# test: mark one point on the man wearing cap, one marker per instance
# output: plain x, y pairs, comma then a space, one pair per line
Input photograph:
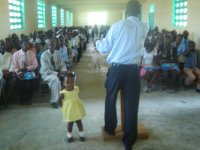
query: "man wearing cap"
124, 42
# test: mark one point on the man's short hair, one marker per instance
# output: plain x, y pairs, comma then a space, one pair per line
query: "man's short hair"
25, 39
133, 8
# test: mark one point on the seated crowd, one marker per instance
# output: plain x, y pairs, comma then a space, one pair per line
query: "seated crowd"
171, 57
42, 55
46, 56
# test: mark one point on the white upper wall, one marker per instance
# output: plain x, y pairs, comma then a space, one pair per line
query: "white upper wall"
81, 17
30, 18
163, 17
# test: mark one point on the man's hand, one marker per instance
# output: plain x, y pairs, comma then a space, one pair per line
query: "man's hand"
5, 73
63, 73
22, 70
20, 75
95, 42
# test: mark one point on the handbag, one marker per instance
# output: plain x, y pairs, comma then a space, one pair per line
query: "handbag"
29, 75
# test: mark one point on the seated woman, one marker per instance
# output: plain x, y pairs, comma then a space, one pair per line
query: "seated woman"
150, 69
191, 66
168, 61
25, 65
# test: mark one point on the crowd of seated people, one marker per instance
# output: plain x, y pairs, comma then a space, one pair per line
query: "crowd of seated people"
170, 56
27, 59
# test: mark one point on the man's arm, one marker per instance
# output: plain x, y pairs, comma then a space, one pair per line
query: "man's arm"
34, 64
1, 73
105, 45
45, 68
62, 63
14, 65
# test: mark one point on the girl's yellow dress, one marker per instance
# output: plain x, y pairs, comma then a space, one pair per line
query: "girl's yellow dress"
72, 106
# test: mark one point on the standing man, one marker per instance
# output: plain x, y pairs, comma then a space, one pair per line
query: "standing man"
52, 67
124, 41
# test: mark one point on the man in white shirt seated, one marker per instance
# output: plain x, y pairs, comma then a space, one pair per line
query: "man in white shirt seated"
52, 68
5, 67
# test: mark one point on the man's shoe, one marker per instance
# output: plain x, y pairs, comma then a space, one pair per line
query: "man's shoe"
55, 105
29, 102
197, 90
82, 139
70, 140
112, 133
128, 147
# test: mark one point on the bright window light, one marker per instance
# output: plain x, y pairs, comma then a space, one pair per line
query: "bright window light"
16, 13
41, 13
98, 18
54, 16
62, 15
179, 16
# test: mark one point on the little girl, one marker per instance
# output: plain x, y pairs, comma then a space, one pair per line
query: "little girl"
72, 107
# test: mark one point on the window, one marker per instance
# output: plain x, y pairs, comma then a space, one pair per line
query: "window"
151, 15
54, 16
180, 9
16, 13
62, 17
71, 19
41, 13
67, 18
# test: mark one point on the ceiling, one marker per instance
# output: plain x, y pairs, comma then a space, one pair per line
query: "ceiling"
88, 5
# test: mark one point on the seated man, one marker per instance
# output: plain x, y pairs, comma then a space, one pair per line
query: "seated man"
176, 45
5, 66
52, 67
183, 46
168, 61
63, 50
190, 66
25, 65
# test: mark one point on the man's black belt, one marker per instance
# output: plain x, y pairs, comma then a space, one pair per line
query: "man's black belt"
118, 65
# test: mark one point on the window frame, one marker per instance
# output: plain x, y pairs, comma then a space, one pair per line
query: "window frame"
179, 13
62, 17
152, 15
41, 16
67, 18
16, 14
71, 18
54, 16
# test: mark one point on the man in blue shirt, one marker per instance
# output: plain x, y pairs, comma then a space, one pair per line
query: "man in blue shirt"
63, 50
124, 42
183, 46
191, 68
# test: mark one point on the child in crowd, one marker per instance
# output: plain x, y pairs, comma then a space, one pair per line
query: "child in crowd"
72, 107
191, 67
168, 61
149, 69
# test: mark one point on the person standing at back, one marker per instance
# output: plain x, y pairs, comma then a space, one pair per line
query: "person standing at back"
124, 43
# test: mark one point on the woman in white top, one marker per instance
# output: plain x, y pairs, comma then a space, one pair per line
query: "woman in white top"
149, 70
